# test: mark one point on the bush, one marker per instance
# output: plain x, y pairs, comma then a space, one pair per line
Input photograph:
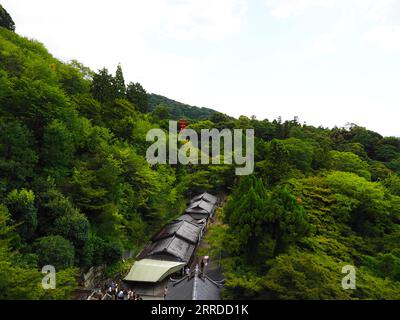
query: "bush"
21, 204
93, 252
74, 227
56, 251
112, 252
349, 162
98, 251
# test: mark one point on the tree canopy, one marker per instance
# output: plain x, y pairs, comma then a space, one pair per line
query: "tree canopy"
76, 190
5, 19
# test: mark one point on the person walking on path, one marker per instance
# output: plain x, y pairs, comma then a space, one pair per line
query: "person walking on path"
202, 265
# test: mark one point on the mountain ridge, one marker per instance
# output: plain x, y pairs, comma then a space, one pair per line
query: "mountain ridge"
177, 109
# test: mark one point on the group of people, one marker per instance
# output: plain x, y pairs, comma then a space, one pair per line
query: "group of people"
116, 292
204, 262
113, 291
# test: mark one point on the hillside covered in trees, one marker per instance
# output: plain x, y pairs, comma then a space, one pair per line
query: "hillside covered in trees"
176, 110
76, 190
320, 200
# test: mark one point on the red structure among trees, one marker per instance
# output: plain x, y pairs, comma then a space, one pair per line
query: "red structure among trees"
182, 124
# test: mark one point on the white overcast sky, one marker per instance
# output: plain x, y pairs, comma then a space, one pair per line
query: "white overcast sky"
328, 62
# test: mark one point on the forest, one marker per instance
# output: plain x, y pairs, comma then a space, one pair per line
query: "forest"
76, 190
176, 110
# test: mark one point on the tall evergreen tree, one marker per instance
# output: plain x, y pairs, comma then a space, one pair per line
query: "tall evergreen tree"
136, 94
276, 165
260, 219
5, 19
119, 83
103, 89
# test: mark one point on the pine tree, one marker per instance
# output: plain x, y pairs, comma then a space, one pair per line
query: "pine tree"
260, 219
136, 94
119, 83
102, 88
285, 219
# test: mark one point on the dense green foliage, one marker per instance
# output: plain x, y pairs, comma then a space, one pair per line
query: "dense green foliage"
75, 186
76, 189
320, 200
56, 251
177, 110
5, 19
137, 95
